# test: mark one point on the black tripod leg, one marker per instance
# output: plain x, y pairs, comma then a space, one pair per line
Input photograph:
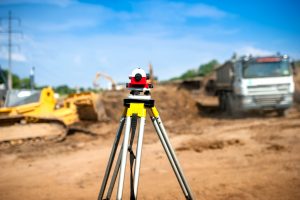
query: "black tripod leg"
114, 176
171, 156
169, 146
161, 138
111, 158
117, 167
132, 156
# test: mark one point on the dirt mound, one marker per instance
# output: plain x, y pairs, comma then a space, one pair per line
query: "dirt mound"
173, 103
170, 102
19, 133
198, 145
275, 147
113, 103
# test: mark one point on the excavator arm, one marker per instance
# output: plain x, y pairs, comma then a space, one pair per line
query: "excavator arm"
105, 76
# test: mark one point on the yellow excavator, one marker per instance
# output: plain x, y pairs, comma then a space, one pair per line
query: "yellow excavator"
105, 76
35, 114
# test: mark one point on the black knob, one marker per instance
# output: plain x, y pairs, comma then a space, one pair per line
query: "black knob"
138, 77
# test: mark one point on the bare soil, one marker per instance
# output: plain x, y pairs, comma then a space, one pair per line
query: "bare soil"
255, 157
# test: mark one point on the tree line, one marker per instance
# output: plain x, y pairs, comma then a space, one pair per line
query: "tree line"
203, 70
24, 83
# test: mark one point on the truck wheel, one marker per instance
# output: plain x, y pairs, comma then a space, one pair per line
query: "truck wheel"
232, 107
222, 102
228, 104
280, 113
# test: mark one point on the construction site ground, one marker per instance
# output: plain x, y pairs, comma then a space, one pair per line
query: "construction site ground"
252, 157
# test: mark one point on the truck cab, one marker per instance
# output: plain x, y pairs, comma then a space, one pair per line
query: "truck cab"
256, 83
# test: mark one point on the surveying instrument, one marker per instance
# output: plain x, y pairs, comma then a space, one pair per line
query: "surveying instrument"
135, 107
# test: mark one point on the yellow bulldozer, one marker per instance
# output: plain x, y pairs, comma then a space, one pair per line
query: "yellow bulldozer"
36, 114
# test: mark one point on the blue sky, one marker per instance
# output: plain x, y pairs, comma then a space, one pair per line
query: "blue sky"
69, 41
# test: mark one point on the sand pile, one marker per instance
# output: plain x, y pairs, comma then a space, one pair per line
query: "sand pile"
171, 103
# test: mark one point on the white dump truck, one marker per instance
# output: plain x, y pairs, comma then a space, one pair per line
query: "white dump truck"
255, 83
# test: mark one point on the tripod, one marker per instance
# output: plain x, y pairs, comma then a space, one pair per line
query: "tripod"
136, 108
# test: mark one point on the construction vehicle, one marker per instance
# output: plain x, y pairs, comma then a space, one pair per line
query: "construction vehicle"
88, 105
26, 109
98, 75
255, 83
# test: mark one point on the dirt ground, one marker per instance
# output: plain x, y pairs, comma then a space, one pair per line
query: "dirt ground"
255, 157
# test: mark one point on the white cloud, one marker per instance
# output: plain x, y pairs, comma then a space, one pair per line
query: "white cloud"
67, 25
176, 12
117, 55
102, 60
61, 3
77, 59
79, 17
180, 10
74, 60
203, 10
17, 57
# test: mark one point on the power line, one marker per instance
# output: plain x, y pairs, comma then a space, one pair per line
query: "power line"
10, 44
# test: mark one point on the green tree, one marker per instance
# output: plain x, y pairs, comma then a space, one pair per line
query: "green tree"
18, 83
207, 68
64, 89
189, 74
3, 76
25, 83
203, 70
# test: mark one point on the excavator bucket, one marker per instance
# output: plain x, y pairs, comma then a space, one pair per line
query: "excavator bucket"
89, 106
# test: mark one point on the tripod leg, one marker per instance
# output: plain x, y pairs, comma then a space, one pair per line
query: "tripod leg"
111, 158
138, 156
164, 135
117, 167
114, 176
124, 157
162, 140
134, 120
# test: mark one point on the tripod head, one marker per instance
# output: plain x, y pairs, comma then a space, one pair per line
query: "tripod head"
139, 82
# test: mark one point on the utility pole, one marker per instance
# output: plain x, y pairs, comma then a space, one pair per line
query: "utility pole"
9, 45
